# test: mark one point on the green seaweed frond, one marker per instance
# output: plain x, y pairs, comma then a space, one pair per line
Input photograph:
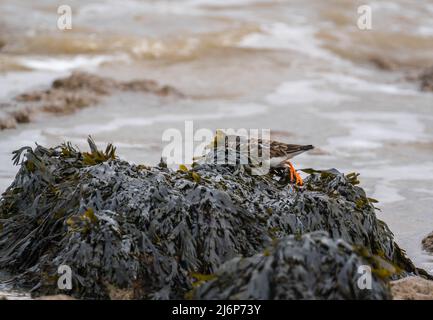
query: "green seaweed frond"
201, 278
380, 265
353, 178
183, 168
96, 156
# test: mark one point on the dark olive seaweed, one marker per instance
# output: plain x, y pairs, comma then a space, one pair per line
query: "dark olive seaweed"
312, 266
158, 232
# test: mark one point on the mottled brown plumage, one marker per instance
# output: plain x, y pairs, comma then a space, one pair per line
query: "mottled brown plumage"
279, 149
279, 153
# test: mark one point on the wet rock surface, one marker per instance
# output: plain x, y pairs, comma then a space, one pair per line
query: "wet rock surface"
427, 243
142, 232
67, 95
412, 288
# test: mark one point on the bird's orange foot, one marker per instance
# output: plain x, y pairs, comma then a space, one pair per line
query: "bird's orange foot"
294, 175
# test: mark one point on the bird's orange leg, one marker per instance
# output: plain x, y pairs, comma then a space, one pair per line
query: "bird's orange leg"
294, 174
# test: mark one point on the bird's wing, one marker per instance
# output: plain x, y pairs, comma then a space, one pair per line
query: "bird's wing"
279, 149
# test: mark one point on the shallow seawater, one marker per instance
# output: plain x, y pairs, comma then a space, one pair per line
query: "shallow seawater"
300, 68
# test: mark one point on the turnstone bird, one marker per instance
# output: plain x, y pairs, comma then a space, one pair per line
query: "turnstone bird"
279, 153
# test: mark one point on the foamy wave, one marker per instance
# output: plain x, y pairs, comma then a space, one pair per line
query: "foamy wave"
14, 83
188, 45
228, 3
111, 8
68, 63
299, 38
356, 84
385, 189
221, 112
92, 51
330, 88
369, 130
304, 92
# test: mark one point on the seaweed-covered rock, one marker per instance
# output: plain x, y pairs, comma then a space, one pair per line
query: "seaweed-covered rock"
295, 268
155, 231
